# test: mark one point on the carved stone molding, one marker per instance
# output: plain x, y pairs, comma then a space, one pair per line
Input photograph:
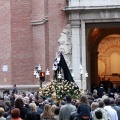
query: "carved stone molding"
39, 22
108, 43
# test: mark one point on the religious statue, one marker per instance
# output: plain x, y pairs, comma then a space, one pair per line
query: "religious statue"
66, 45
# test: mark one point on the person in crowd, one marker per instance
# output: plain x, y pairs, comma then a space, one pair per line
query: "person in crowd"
15, 113
20, 105
47, 113
84, 110
117, 101
41, 101
113, 90
95, 96
91, 98
105, 114
100, 90
85, 91
116, 95
112, 113
94, 106
66, 109
2, 114
90, 101
56, 112
61, 103
104, 96
9, 117
15, 91
74, 113
50, 100
12, 99
89, 94
53, 107
39, 111
32, 114
2, 104
6, 97
95, 91
7, 105
26, 101
115, 107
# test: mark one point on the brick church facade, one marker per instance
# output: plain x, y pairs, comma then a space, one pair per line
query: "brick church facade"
30, 34
29, 31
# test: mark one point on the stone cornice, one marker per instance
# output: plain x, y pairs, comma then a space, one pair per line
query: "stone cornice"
83, 8
39, 22
19, 87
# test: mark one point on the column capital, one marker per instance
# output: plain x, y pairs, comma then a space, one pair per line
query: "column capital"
75, 23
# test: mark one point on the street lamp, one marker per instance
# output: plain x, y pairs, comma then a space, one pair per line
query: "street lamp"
39, 74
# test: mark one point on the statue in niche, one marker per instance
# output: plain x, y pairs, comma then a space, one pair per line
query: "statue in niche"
66, 44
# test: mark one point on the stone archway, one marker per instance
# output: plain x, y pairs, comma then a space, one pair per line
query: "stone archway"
84, 17
109, 54
104, 43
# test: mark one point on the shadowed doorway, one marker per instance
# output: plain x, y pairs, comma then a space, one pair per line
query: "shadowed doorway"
103, 53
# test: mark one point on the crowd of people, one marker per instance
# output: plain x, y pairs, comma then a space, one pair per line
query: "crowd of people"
99, 105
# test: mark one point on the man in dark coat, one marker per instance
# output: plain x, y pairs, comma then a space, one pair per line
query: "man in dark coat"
100, 91
113, 90
41, 102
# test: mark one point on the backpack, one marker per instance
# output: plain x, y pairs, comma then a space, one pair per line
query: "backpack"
85, 113
98, 114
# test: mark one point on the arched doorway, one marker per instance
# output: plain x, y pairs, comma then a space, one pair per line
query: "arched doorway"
104, 54
109, 59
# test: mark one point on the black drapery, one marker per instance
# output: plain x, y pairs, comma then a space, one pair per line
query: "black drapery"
62, 64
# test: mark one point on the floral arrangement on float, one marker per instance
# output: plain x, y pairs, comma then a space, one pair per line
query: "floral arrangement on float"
61, 89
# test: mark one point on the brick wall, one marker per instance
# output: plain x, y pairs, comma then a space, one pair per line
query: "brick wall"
45, 36
21, 42
24, 45
5, 42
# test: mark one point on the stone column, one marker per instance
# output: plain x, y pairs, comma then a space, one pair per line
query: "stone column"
83, 53
76, 53
78, 50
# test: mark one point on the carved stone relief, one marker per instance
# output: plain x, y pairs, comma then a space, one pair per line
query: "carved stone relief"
66, 45
108, 46
108, 43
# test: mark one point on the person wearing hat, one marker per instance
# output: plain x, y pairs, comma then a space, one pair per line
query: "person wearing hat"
100, 90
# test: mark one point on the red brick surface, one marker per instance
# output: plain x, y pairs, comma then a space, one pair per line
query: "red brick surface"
23, 45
